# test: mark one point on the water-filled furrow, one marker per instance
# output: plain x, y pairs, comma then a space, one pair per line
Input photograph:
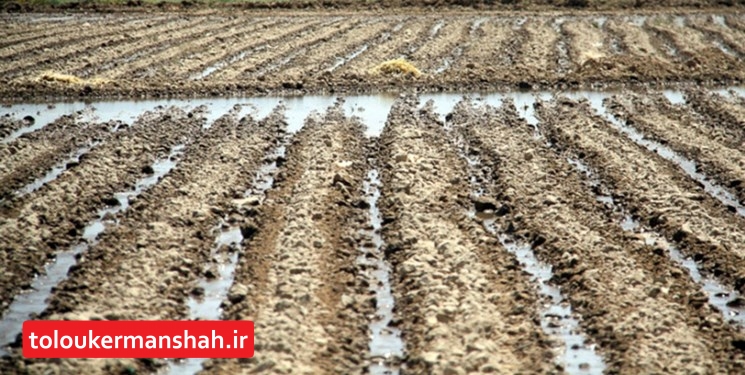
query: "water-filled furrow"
27, 305
226, 62
219, 275
56, 171
687, 165
722, 297
349, 57
449, 60
576, 355
386, 345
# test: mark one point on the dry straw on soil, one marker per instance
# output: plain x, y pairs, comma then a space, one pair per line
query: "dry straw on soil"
396, 67
50, 76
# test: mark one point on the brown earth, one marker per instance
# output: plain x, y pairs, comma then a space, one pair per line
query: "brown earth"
696, 140
298, 279
31, 155
634, 303
216, 54
659, 193
148, 264
463, 307
462, 302
34, 227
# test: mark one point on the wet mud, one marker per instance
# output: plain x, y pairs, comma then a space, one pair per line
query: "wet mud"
661, 195
297, 277
462, 303
216, 54
36, 226
544, 203
169, 228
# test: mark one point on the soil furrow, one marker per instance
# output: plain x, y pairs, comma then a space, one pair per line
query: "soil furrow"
297, 278
594, 59
697, 53
176, 62
240, 50
722, 115
147, 266
165, 37
735, 22
284, 62
430, 33
586, 43
21, 64
29, 34
216, 52
154, 64
138, 44
654, 189
612, 39
34, 153
270, 42
389, 49
8, 125
52, 219
72, 35
492, 47
537, 59
731, 41
463, 304
646, 61
325, 55
430, 56
611, 279
676, 128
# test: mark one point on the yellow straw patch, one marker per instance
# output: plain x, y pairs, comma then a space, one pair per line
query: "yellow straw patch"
50, 76
397, 66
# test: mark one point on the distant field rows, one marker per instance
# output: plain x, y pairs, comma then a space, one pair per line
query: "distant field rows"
217, 54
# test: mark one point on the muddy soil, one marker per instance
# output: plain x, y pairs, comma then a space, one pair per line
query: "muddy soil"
219, 54
464, 300
297, 277
355, 6
463, 306
673, 126
660, 194
30, 156
169, 229
8, 125
721, 114
610, 278
34, 227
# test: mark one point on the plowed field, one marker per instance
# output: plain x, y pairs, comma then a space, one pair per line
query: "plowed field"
214, 54
488, 230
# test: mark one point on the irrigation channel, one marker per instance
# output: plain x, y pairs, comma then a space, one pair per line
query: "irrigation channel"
334, 175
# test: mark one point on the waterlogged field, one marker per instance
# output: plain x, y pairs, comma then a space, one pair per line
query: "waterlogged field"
534, 231
141, 54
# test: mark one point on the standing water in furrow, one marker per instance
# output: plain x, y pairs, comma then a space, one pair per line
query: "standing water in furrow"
614, 158
205, 300
597, 266
297, 277
29, 305
576, 354
168, 230
457, 300
386, 346
35, 229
